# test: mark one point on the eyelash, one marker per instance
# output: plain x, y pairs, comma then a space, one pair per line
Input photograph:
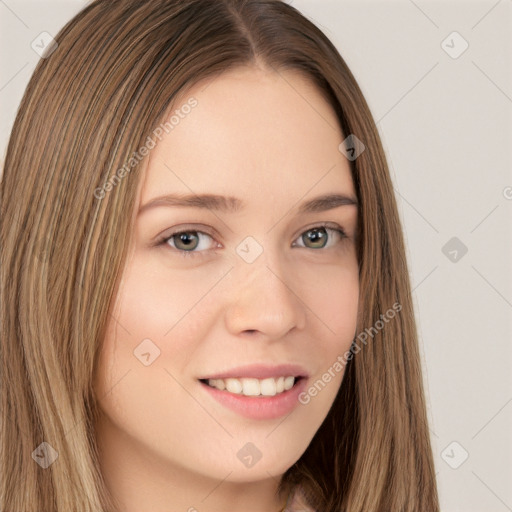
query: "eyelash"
163, 241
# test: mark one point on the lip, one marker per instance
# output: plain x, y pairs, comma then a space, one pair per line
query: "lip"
259, 407
260, 371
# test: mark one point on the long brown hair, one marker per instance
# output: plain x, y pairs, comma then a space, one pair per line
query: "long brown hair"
89, 106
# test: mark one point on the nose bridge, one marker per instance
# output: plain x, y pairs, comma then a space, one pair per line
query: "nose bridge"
262, 297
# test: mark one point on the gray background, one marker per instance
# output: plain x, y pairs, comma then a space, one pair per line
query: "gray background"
446, 126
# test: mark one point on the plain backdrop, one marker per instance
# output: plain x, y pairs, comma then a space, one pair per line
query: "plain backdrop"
438, 79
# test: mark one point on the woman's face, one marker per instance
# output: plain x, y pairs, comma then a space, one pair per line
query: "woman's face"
248, 290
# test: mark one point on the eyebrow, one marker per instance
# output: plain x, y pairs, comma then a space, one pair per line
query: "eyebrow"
232, 204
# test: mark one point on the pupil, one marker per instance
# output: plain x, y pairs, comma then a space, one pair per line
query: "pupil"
185, 239
317, 235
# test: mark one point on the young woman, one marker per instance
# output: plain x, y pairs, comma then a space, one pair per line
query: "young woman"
205, 296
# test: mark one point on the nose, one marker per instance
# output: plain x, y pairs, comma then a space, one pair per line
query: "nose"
263, 301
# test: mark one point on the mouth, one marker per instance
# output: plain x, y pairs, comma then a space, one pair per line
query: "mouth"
252, 387
258, 391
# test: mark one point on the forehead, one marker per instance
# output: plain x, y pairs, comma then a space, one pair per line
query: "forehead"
250, 132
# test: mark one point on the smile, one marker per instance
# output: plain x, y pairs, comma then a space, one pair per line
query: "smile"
257, 399
253, 387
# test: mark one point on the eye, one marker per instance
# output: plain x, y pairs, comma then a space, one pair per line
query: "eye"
188, 242
318, 237
191, 242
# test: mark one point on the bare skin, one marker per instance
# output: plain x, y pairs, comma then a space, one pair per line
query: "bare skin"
270, 140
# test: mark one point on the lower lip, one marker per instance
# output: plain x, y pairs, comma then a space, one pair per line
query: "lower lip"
259, 407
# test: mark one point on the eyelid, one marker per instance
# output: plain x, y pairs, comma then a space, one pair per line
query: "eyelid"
197, 228
327, 225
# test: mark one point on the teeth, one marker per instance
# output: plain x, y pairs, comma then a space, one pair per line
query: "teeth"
234, 386
288, 383
250, 387
254, 387
268, 387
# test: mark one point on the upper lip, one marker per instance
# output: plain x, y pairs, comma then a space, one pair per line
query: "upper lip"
260, 371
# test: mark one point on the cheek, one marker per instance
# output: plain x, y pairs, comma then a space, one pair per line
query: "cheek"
331, 294
154, 301
159, 301
333, 304
171, 309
